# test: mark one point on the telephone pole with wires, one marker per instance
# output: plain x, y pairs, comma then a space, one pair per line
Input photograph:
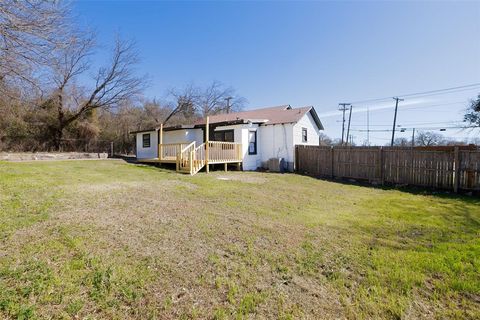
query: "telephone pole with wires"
395, 118
349, 120
343, 108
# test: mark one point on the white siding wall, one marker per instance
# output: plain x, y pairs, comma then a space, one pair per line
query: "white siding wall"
313, 132
240, 133
184, 135
276, 141
145, 153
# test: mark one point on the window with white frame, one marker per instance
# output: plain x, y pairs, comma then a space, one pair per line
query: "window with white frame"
304, 135
146, 140
252, 142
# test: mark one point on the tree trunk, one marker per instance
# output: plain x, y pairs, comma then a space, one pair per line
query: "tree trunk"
57, 137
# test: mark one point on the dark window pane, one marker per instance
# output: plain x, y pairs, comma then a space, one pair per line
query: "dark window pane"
217, 136
252, 142
304, 135
229, 136
224, 135
146, 140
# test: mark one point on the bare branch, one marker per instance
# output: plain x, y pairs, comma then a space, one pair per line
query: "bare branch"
29, 32
115, 83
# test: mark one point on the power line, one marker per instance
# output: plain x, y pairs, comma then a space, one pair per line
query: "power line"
424, 93
434, 105
421, 128
419, 108
407, 123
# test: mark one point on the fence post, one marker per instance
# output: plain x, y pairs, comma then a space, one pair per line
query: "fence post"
207, 144
296, 159
382, 171
333, 161
456, 172
412, 167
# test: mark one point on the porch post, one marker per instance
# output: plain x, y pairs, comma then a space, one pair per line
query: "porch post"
207, 147
160, 147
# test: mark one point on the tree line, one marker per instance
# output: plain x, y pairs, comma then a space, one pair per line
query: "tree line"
52, 97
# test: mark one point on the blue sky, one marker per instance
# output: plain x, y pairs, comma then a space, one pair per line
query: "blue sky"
308, 53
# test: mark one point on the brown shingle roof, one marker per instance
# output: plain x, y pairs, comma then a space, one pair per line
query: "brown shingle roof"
272, 115
266, 116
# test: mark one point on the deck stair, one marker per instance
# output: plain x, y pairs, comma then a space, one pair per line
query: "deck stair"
190, 158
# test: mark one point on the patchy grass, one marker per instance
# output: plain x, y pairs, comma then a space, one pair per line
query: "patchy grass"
105, 239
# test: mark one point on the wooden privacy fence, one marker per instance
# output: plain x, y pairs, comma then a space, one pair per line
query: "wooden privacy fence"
450, 168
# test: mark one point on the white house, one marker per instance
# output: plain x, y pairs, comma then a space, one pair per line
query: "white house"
261, 138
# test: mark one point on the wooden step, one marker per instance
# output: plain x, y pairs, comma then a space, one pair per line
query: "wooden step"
184, 167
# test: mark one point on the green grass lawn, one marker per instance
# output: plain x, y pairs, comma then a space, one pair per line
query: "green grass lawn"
110, 240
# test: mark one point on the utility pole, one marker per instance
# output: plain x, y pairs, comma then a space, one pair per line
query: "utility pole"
343, 108
228, 103
349, 120
368, 126
413, 137
395, 118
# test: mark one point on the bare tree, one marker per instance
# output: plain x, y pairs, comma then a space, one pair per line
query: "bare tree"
192, 102
428, 138
324, 140
402, 142
29, 32
112, 84
216, 98
185, 103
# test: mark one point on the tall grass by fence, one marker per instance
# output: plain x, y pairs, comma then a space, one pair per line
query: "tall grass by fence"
449, 168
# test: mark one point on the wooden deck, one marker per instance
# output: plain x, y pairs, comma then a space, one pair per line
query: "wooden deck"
190, 158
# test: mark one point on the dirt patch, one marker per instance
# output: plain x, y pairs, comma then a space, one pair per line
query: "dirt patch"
133, 186
246, 177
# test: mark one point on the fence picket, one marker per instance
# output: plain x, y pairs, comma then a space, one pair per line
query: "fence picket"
449, 168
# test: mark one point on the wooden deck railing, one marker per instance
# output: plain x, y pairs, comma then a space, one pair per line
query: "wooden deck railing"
200, 152
184, 157
191, 158
221, 152
169, 151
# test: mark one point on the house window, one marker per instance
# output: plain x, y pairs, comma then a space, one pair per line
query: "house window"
146, 140
304, 135
252, 142
224, 135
